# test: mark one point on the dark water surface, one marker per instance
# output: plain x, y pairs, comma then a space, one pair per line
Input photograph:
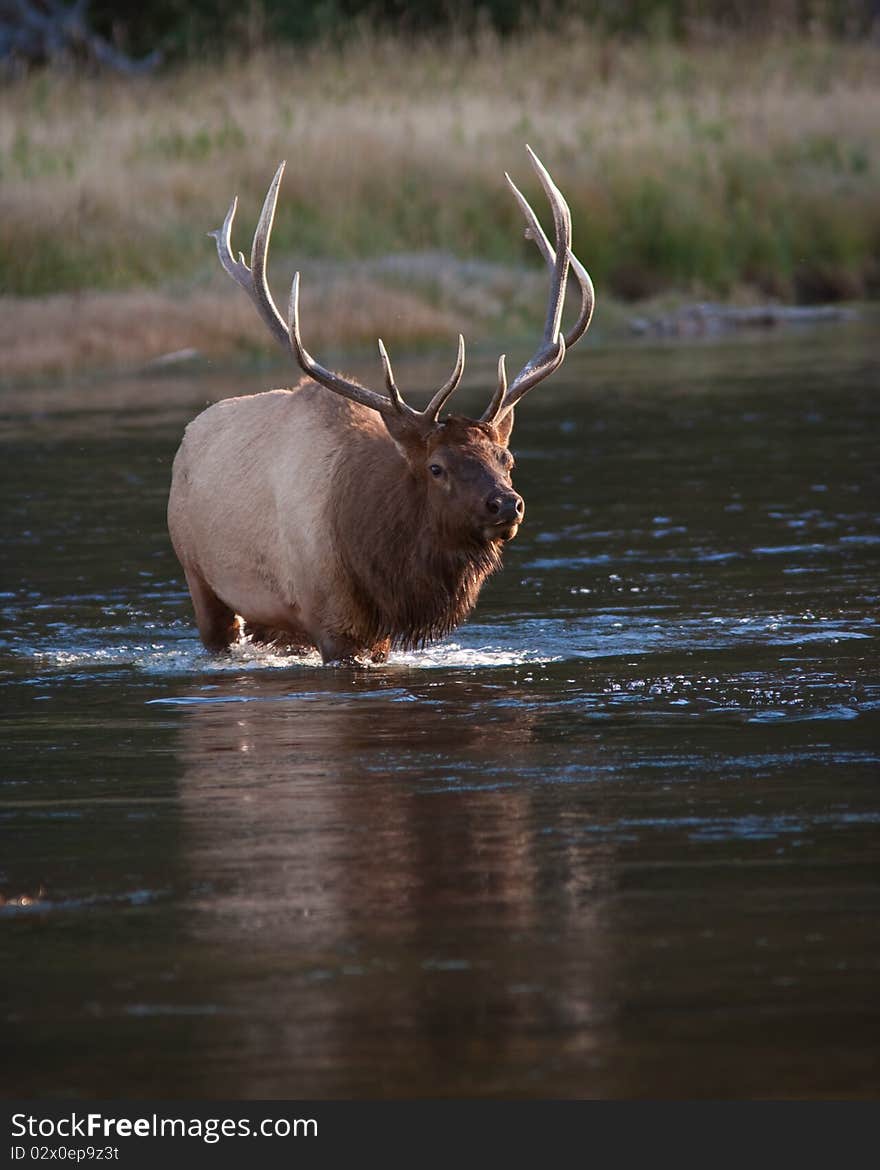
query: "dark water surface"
616, 837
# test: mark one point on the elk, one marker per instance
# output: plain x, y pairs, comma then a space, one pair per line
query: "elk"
349, 521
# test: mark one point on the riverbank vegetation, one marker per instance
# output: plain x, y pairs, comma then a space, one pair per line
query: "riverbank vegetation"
729, 166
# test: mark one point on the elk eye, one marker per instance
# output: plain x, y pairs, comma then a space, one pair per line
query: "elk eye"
435, 469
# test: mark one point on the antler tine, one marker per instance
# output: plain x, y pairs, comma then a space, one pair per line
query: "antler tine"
551, 352
562, 224
431, 413
253, 279
393, 392
334, 382
535, 232
588, 301
259, 251
498, 396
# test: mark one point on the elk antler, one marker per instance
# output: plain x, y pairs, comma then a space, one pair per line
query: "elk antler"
253, 280
394, 404
550, 353
547, 358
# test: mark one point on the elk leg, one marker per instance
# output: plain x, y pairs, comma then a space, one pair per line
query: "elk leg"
291, 641
340, 650
214, 618
337, 650
379, 653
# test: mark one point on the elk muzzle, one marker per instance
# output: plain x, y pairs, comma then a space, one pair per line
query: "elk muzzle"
504, 513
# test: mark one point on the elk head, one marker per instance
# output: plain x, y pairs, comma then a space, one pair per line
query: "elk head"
468, 488
464, 464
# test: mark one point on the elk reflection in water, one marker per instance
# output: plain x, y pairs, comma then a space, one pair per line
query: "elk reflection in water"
379, 871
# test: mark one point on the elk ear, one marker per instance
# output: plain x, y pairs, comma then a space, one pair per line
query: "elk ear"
408, 439
503, 428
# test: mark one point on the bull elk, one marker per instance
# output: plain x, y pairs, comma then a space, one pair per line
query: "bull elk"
350, 521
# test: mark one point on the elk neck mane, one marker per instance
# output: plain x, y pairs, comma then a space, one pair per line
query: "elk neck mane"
413, 578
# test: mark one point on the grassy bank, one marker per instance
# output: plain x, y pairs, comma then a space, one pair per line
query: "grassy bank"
729, 168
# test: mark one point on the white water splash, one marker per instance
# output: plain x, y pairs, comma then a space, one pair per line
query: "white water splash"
453, 654
591, 636
185, 656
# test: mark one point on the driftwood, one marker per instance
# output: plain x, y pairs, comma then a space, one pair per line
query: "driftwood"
707, 318
46, 32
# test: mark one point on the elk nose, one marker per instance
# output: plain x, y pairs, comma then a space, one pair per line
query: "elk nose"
505, 507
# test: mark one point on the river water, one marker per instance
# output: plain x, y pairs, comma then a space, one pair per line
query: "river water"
616, 837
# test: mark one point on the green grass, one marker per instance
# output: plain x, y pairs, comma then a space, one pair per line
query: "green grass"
728, 168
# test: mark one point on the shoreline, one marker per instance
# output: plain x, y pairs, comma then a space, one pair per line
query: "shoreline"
711, 169
71, 335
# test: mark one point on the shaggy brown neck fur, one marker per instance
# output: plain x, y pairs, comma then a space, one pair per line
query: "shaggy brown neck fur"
413, 580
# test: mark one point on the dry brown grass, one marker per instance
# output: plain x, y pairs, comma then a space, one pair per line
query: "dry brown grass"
101, 330
726, 165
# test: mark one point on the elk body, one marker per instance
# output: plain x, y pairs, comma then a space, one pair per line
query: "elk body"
337, 517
